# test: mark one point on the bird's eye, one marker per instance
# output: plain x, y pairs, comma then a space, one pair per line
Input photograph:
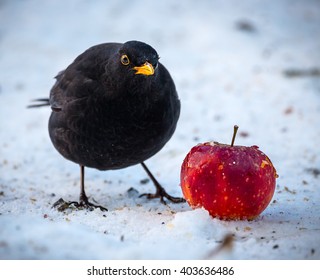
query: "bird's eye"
125, 59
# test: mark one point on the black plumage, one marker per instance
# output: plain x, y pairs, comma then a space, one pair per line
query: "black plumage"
115, 106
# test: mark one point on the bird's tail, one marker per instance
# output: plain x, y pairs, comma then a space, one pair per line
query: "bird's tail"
39, 102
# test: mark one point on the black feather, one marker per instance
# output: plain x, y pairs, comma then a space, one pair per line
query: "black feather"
40, 102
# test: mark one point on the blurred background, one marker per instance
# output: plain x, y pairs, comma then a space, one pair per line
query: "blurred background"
253, 63
213, 49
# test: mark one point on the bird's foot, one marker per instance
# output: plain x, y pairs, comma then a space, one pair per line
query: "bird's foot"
161, 193
87, 205
62, 205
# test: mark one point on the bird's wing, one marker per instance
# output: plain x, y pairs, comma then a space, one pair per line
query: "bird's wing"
71, 85
82, 78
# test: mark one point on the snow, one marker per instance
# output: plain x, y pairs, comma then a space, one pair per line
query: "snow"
229, 61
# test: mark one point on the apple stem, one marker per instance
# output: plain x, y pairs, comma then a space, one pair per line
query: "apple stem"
235, 130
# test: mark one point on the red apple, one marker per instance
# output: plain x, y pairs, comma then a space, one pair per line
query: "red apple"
230, 182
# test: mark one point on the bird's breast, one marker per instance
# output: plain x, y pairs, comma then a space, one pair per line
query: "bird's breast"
111, 135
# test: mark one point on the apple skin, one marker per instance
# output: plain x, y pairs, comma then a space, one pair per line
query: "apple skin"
230, 182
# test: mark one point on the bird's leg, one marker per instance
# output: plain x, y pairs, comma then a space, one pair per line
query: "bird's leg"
61, 205
160, 191
83, 200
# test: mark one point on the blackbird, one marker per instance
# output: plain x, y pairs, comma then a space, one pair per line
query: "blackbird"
115, 106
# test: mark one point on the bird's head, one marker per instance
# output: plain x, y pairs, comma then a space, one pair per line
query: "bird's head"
139, 58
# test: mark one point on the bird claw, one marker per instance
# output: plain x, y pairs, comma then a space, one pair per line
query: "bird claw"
62, 205
161, 193
87, 205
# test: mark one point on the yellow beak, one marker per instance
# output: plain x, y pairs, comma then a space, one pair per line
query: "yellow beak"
145, 69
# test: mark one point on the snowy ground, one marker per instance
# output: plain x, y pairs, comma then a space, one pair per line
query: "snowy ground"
251, 63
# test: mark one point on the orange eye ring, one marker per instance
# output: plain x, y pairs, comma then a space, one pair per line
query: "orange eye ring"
125, 59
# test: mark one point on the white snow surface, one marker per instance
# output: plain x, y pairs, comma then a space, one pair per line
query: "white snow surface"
229, 61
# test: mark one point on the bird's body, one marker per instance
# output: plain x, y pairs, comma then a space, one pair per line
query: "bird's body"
106, 120
113, 107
